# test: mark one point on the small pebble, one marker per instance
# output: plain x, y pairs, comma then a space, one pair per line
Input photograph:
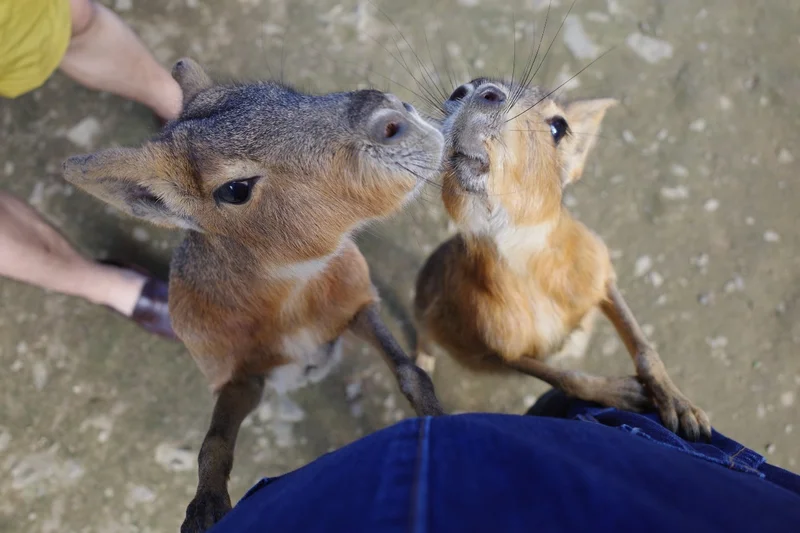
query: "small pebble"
353, 391
787, 399
700, 260
698, 125
289, 411
717, 343
734, 285
656, 279
770, 448
725, 103
679, 170
711, 205
627, 135
596, 16
39, 375
175, 459
785, 157
751, 82
84, 132
642, 266
577, 40
771, 236
649, 48
706, 298
610, 346
675, 193
264, 412
528, 401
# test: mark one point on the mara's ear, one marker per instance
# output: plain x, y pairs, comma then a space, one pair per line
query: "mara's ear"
129, 179
584, 118
191, 77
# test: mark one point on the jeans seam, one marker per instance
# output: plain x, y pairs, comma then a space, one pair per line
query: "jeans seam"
732, 458
420, 505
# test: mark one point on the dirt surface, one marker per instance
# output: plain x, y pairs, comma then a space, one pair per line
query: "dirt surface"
692, 186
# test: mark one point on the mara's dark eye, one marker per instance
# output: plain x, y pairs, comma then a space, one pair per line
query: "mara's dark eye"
558, 128
459, 94
235, 192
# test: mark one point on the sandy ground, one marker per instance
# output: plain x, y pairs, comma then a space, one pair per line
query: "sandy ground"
692, 186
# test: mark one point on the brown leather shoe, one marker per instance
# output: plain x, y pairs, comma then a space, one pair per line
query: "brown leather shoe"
152, 307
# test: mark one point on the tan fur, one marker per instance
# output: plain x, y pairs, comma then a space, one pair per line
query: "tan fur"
523, 277
517, 300
276, 279
507, 311
254, 335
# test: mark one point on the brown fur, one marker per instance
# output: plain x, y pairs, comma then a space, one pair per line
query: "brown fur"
277, 279
523, 276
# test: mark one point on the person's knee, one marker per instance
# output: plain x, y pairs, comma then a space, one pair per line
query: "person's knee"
82, 13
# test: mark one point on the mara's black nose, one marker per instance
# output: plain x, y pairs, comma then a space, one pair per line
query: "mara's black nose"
459, 93
491, 94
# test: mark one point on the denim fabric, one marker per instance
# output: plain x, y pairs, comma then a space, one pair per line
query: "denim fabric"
604, 470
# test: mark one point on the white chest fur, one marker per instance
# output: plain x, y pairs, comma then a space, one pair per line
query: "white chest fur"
312, 360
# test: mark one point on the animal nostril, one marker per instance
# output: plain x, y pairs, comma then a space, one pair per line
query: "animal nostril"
459, 94
391, 130
493, 95
389, 127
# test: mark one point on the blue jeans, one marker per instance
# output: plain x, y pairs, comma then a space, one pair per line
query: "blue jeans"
597, 470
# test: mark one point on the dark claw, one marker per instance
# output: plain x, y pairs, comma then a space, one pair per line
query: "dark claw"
204, 511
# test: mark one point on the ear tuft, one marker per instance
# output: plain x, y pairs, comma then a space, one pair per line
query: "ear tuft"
191, 77
584, 118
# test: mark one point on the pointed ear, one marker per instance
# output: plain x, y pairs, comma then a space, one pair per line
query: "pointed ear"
128, 179
584, 118
191, 77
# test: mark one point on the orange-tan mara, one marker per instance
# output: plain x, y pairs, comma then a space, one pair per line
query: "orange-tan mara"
522, 280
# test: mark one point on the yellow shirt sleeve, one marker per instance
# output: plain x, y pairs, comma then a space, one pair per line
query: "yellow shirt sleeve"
34, 35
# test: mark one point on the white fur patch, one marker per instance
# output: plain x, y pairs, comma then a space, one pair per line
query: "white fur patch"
548, 320
577, 342
305, 271
518, 244
313, 360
